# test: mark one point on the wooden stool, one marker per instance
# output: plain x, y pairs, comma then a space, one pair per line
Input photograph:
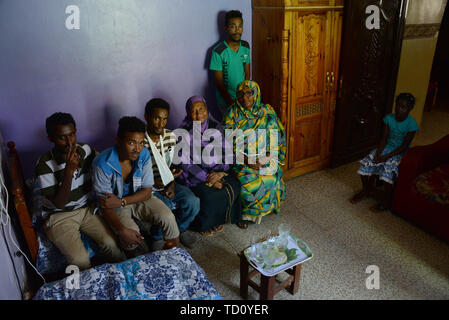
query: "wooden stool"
267, 288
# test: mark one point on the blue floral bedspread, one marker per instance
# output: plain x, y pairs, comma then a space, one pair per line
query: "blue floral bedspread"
162, 275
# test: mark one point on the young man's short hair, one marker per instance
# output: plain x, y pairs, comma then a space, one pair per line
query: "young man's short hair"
156, 103
232, 14
130, 124
408, 98
58, 118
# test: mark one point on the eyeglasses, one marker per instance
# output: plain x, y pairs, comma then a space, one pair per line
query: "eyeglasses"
248, 94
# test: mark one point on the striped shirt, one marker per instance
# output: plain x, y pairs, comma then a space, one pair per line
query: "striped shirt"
169, 141
49, 173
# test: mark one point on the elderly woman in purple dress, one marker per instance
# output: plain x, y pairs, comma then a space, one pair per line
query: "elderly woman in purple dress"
219, 192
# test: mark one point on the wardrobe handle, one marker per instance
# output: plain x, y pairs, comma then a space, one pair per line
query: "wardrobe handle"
340, 87
332, 81
327, 81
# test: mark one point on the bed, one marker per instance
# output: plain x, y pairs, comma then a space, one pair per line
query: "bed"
161, 275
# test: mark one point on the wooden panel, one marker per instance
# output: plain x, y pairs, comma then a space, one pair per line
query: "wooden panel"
267, 39
309, 55
268, 3
295, 3
308, 137
300, 170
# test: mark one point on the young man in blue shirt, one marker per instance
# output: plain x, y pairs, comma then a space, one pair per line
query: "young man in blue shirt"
123, 181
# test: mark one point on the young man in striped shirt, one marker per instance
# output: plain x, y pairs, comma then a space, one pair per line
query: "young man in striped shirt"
180, 199
64, 176
123, 181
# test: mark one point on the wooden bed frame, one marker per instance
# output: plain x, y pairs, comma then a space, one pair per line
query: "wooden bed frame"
21, 198
20, 195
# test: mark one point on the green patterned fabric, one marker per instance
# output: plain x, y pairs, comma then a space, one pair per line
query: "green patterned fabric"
261, 194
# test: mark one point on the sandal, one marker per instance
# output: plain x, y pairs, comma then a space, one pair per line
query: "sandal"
357, 197
242, 225
207, 233
218, 228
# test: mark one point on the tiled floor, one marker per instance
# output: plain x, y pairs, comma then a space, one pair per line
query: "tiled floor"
344, 238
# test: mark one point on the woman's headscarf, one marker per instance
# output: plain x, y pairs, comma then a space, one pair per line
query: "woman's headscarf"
193, 173
257, 110
187, 123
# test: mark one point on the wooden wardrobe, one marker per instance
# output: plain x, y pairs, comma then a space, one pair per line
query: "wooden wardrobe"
295, 60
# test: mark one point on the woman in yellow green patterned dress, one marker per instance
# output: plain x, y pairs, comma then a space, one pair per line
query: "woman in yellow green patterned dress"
262, 145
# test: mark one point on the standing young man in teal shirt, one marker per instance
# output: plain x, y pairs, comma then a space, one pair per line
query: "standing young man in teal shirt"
230, 61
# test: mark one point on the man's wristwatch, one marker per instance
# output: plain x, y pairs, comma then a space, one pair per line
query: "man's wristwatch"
123, 202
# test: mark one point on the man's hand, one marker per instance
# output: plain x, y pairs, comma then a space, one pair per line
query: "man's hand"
63, 194
130, 237
73, 159
158, 183
169, 191
176, 172
110, 201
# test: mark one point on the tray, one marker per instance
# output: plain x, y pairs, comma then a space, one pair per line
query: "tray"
303, 254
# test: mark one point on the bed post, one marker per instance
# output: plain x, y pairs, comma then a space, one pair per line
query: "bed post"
17, 185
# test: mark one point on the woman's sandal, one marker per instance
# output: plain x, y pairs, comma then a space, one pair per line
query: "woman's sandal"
242, 225
218, 228
207, 233
357, 197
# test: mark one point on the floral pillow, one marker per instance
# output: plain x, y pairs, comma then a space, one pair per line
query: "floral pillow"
434, 185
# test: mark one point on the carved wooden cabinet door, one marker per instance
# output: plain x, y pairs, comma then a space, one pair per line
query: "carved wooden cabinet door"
296, 50
369, 64
315, 51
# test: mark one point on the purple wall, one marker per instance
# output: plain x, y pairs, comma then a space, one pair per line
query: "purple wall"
125, 53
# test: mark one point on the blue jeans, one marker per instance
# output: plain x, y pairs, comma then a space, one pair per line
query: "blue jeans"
187, 208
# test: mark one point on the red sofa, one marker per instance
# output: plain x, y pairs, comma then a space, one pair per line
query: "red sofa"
422, 190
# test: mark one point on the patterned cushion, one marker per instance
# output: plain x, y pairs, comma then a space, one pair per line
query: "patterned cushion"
162, 275
434, 185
